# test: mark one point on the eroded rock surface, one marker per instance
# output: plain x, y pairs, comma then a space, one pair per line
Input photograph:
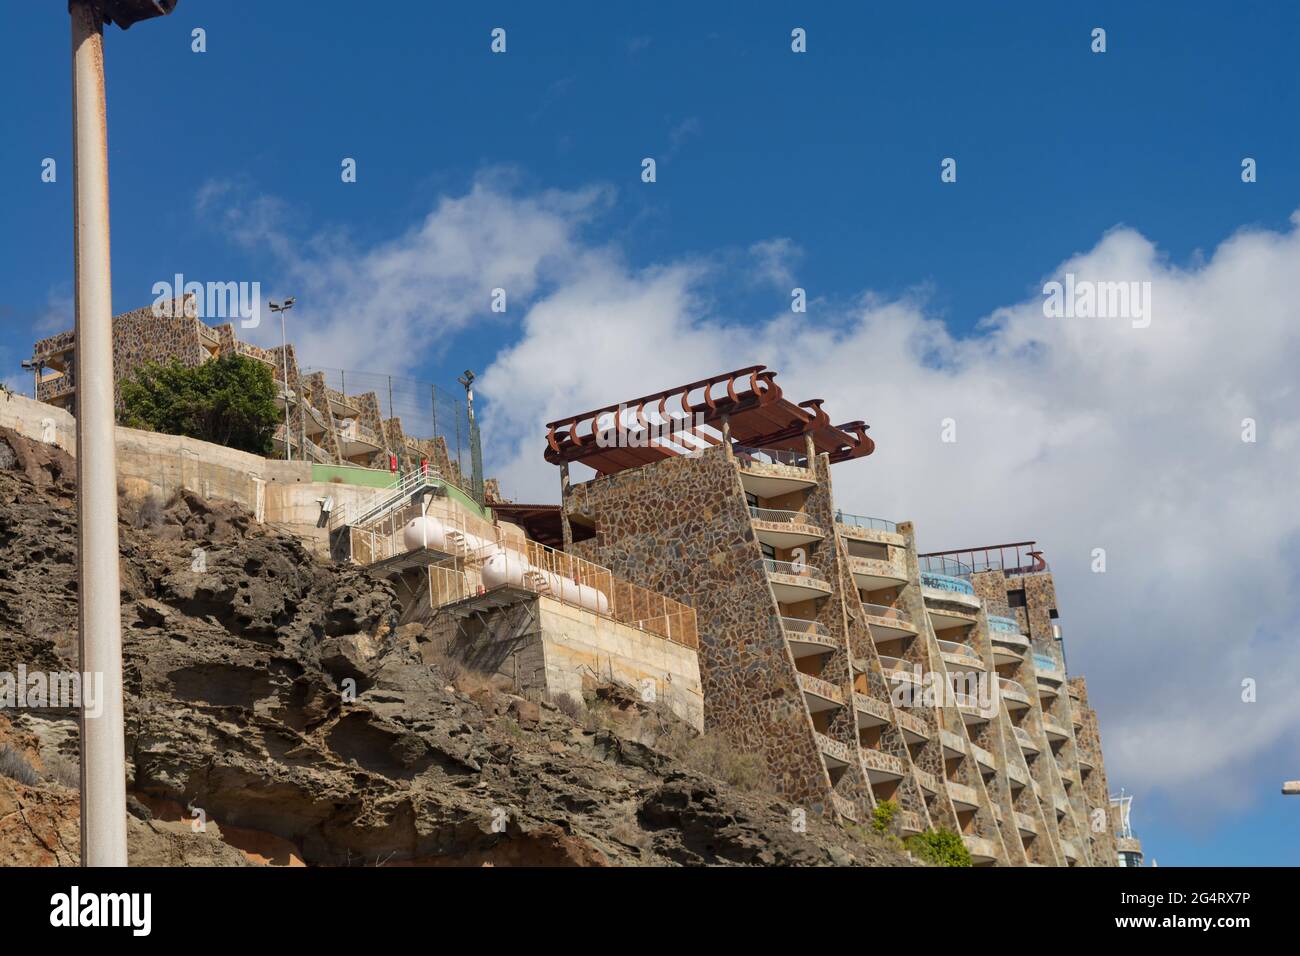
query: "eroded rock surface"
275, 699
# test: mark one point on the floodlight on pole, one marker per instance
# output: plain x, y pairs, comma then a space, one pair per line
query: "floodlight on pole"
35, 366
282, 308
99, 609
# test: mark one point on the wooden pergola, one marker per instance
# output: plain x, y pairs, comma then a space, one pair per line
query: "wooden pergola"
745, 407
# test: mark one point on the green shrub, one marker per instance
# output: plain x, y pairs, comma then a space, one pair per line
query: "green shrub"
883, 815
941, 847
228, 401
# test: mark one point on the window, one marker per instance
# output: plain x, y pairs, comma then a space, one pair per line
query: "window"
1016, 598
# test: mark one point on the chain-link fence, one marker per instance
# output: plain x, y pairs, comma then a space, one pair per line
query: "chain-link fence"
426, 411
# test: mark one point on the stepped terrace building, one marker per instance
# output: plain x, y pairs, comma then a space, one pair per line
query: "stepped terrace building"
861, 671
325, 425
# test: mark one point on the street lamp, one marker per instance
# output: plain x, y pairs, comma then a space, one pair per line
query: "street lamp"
35, 366
282, 308
99, 610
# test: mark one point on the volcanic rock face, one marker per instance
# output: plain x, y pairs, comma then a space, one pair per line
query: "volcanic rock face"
276, 713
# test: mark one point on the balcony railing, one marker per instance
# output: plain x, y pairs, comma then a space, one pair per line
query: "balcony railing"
799, 625
862, 521
820, 688
748, 456
1014, 688
874, 759
945, 582
792, 569
964, 651
891, 613
898, 668
938, 564
1007, 625
778, 516
1022, 737
927, 780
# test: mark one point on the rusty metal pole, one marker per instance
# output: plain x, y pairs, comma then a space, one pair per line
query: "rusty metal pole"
103, 769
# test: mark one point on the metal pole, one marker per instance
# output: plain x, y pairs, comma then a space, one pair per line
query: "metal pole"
284, 354
103, 745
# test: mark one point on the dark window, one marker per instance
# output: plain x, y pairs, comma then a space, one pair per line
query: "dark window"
1016, 598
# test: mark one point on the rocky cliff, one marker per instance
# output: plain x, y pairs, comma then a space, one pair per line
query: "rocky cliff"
275, 714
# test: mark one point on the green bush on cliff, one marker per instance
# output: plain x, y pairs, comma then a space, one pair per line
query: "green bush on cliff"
941, 847
228, 401
883, 815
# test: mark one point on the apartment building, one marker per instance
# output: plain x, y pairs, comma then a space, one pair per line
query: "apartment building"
325, 425
861, 671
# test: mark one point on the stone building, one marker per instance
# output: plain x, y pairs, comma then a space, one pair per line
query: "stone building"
325, 426
861, 671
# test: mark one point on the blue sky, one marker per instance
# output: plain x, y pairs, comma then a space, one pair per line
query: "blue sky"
831, 157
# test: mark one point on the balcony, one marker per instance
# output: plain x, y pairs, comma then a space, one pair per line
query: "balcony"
863, 528
819, 694
844, 807
837, 755
1009, 644
792, 583
870, 712
983, 757
981, 850
1026, 824
807, 638
908, 822
1054, 730
928, 781
1048, 671
1026, 742
342, 406
356, 439
964, 797
1071, 853
1086, 761
973, 710
951, 602
770, 472
888, 622
897, 669
954, 745
915, 730
1016, 775
882, 767
1013, 694
960, 655
872, 574
784, 529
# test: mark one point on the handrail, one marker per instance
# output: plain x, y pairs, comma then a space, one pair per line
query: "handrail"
895, 665
1015, 687
944, 565
956, 647
748, 456
884, 610
779, 516
796, 570
799, 625
862, 521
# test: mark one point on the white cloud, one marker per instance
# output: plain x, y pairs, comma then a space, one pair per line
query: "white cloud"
387, 306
